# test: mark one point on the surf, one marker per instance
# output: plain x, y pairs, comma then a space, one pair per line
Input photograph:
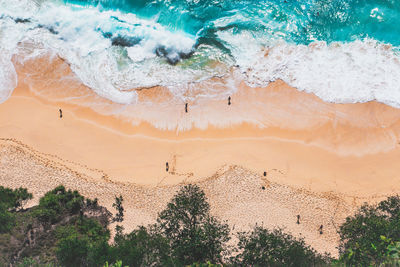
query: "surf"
343, 52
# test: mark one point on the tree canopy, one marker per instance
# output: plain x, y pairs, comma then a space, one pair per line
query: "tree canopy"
194, 235
64, 230
365, 237
262, 247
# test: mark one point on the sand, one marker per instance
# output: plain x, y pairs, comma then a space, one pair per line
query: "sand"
322, 159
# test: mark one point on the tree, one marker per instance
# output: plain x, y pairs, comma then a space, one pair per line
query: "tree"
119, 217
11, 200
72, 251
142, 247
361, 241
193, 234
261, 247
6, 219
57, 203
14, 199
83, 242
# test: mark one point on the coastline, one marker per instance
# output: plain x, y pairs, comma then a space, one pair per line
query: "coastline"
322, 159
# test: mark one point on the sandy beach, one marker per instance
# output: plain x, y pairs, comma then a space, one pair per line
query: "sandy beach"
322, 159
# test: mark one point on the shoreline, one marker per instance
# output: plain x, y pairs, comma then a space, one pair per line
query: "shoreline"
322, 159
137, 153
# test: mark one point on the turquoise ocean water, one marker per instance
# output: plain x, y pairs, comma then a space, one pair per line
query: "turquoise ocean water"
343, 51
297, 21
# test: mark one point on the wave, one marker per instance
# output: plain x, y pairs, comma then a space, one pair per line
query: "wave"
358, 71
111, 52
115, 52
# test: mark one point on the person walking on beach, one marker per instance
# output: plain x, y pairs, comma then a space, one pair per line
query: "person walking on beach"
60, 113
229, 100
320, 229
186, 107
298, 219
166, 166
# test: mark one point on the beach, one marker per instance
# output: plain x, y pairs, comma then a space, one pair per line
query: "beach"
322, 160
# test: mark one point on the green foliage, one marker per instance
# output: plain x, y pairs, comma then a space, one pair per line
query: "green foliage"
194, 235
392, 255
14, 198
142, 247
29, 262
82, 243
185, 235
261, 247
119, 217
11, 200
6, 219
58, 203
361, 241
73, 250
116, 264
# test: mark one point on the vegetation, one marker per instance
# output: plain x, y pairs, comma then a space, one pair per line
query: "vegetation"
14, 199
119, 217
58, 203
66, 229
372, 234
194, 235
11, 200
261, 247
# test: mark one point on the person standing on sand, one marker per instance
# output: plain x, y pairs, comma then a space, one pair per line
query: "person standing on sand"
186, 107
229, 100
60, 113
166, 166
298, 219
320, 229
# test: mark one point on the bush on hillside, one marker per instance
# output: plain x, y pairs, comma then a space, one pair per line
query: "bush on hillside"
57, 203
262, 247
365, 237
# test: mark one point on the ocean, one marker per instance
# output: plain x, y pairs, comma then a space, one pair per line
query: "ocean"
342, 51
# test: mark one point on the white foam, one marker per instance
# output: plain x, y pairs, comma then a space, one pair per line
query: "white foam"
357, 71
8, 77
112, 72
8, 42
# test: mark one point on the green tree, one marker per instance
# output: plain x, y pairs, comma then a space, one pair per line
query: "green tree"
6, 219
14, 199
83, 242
361, 241
58, 203
142, 247
261, 247
119, 217
11, 200
193, 234
73, 250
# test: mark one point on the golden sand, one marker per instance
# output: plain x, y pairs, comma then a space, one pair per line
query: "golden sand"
322, 159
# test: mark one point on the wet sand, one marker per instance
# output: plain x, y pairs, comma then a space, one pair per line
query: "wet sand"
330, 155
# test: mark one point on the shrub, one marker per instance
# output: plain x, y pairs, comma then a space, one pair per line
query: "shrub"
361, 241
14, 199
57, 203
261, 247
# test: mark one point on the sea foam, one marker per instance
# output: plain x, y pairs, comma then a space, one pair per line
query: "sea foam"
358, 71
87, 39
114, 53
